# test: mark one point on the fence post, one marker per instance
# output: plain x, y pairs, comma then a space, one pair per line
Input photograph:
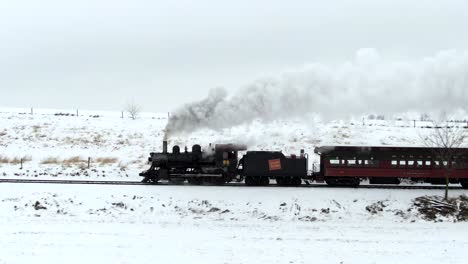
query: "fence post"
32, 112
89, 161
122, 115
76, 112
414, 125
21, 164
168, 115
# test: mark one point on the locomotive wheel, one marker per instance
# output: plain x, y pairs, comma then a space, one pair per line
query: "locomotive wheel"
464, 184
176, 180
279, 181
195, 181
264, 181
296, 181
206, 181
287, 181
342, 182
250, 181
219, 180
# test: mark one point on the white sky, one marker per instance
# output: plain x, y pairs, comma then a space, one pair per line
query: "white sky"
101, 54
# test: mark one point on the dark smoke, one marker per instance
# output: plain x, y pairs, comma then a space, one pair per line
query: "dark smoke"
363, 85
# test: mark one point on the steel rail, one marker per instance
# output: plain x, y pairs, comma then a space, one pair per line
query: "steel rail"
315, 185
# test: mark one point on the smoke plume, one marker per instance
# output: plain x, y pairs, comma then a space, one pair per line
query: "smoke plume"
363, 85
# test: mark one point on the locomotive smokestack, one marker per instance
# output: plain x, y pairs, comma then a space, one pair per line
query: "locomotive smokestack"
165, 146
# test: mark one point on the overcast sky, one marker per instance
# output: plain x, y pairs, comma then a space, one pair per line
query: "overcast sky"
92, 54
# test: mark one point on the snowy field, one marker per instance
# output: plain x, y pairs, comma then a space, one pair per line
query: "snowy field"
47, 223
43, 223
58, 144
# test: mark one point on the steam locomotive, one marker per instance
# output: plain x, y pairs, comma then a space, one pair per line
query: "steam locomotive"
220, 164
339, 166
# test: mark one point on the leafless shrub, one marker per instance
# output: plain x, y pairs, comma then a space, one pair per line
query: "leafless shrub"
434, 207
50, 160
133, 110
3, 133
106, 160
445, 141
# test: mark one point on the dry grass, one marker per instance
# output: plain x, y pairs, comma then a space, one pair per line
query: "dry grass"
75, 159
50, 160
106, 160
15, 160
4, 159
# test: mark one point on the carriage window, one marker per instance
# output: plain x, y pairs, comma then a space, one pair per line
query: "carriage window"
410, 162
334, 162
402, 162
419, 163
394, 162
444, 163
351, 162
436, 163
428, 163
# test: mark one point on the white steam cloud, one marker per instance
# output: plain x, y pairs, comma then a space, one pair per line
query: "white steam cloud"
363, 85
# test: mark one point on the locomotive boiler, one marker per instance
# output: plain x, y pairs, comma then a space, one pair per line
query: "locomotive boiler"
215, 165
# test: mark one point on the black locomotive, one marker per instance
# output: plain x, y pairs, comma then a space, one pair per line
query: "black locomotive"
220, 164
216, 165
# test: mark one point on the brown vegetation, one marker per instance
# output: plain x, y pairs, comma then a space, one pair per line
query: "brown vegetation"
50, 160
106, 160
15, 160
4, 159
75, 159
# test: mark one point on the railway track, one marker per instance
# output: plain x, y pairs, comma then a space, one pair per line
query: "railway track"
315, 185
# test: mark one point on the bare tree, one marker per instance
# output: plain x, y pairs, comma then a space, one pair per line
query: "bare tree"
133, 110
445, 142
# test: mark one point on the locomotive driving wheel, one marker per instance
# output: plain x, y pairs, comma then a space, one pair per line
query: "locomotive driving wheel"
195, 180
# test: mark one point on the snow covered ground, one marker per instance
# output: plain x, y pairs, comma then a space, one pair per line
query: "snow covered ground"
205, 224
47, 223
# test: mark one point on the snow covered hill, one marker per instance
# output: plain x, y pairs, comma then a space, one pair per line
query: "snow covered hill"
48, 223
57, 143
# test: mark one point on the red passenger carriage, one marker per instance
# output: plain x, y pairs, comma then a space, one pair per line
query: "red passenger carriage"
348, 165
